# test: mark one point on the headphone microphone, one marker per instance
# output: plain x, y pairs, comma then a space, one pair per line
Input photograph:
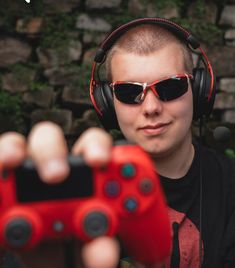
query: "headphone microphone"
222, 134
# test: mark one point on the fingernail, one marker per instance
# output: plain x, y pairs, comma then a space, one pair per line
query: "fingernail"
97, 156
98, 151
54, 170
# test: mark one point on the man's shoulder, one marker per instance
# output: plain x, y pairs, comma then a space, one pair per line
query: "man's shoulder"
212, 156
215, 165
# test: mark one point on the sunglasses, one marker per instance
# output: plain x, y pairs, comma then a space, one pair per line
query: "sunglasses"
166, 89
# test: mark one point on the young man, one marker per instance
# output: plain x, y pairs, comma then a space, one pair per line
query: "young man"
198, 183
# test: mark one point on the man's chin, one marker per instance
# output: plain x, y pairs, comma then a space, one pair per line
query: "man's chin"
158, 155
155, 152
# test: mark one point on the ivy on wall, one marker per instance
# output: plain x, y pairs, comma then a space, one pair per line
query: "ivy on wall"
11, 115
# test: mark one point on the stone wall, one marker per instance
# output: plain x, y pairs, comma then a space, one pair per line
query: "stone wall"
47, 47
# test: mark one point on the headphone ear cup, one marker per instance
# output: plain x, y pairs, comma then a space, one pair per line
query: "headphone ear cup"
202, 104
104, 100
196, 89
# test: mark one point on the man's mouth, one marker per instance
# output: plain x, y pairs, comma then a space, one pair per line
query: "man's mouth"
154, 129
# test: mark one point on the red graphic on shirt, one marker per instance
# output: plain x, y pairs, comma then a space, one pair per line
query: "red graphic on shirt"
188, 241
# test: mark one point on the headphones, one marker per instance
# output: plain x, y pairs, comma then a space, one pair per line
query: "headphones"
203, 84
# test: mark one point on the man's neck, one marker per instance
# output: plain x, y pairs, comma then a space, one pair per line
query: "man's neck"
176, 164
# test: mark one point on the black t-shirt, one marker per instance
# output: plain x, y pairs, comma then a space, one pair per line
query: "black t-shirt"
208, 198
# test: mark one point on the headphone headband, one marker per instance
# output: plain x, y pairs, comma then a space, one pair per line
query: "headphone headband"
176, 29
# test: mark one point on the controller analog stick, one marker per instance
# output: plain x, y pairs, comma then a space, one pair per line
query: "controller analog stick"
18, 232
96, 224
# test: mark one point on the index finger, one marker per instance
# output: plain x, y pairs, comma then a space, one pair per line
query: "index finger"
95, 146
47, 147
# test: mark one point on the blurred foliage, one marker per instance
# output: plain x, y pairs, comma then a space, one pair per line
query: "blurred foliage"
29, 74
209, 33
81, 79
57, 29
11, 113
22, 72
230, 153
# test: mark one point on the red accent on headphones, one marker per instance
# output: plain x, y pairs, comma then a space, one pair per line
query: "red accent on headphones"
210, 71
92, 85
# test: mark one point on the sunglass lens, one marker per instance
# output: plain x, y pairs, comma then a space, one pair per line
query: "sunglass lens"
128, 93
172, 88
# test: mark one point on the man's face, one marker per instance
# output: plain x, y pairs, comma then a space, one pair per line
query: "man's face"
159, 127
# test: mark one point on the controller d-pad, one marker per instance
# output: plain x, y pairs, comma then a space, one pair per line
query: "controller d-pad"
146, 186
112, 188
128, 171
131, 204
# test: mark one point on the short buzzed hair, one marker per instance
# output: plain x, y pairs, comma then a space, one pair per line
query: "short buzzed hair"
144, 40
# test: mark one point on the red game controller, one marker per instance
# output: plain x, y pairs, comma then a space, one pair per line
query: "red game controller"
123, 198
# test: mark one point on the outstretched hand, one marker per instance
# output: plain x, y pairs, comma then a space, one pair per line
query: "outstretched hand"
47, 147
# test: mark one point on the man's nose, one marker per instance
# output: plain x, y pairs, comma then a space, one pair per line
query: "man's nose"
151, 104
